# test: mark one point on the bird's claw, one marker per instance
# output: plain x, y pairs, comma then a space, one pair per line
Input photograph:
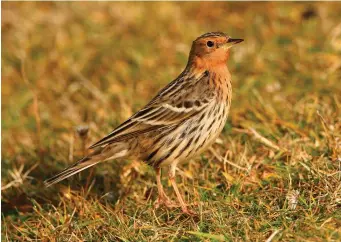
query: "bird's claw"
166, 202
188, 211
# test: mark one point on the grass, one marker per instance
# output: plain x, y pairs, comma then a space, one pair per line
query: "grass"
274, 173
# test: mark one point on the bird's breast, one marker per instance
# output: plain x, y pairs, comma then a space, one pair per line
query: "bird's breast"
220, 82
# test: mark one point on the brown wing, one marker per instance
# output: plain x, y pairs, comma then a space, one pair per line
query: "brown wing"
184, 97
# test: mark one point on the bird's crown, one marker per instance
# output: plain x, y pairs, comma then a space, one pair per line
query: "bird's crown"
212, 34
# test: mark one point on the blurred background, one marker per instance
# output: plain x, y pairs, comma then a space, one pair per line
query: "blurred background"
71, 72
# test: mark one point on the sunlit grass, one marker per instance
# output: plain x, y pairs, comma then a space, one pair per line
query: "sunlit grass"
274, 173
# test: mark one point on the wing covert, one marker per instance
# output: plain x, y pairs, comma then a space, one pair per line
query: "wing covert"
184, 97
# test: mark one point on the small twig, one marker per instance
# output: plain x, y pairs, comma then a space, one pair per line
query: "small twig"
273, 235
264, 140
221, 159
18, 176
326, 221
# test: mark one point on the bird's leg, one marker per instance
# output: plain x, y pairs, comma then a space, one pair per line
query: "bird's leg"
162, 197
177, 192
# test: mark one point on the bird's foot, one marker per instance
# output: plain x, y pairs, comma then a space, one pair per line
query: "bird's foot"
163, 200
188, 211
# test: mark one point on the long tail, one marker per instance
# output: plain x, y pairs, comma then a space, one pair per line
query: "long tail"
80, 165
84, 163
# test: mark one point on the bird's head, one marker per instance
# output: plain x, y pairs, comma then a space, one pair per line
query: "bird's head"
211, 49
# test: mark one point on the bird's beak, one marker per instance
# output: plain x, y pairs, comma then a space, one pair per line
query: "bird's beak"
230, 42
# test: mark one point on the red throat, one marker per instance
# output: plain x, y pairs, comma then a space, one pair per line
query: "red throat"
209, 62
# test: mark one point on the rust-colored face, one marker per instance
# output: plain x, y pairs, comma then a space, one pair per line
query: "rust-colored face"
212, 49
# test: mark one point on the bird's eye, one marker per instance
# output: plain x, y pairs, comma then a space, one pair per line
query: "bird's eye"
210, 43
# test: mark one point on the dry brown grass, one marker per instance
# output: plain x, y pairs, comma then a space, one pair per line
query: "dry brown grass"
274, 173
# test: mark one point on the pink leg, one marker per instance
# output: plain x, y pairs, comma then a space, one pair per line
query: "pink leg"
162, 197
177, 192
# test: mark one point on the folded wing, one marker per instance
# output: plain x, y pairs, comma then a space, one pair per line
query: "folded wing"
184, 97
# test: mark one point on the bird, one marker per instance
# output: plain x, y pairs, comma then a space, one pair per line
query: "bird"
180, 122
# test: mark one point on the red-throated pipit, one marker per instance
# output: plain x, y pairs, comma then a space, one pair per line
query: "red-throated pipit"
181, 121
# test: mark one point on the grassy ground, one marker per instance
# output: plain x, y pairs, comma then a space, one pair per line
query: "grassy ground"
274, 173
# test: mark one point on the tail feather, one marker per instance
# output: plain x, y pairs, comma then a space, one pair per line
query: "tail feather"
82, 164
99, 155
